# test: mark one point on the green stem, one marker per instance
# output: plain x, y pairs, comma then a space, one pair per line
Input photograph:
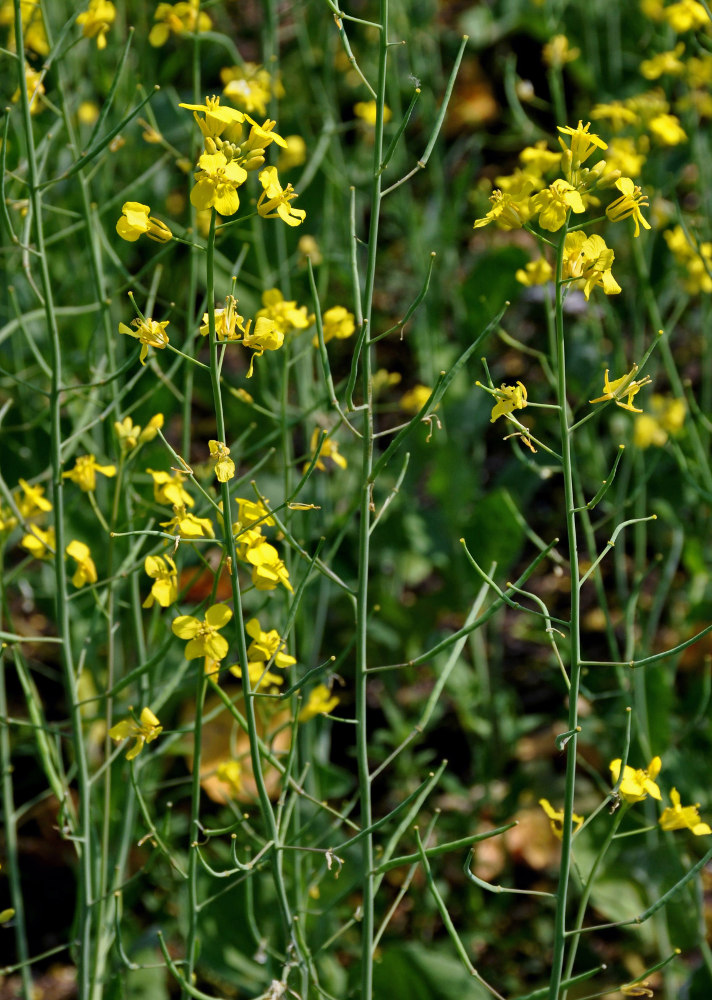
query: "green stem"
574, 635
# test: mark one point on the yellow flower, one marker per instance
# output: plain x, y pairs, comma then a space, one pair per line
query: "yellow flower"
168, 488
615, 113
203, 637
151, 429
229, 772
509, 211
667, 130
266, 646
97, 20
338, 323
33, 501
620, 387
8, 521
678, 817
636, 990
135, 221
249, 86
329, 449
697, 261
163, 571
556, 818
127, 432
6, 915
366, 111
583, 143
589, 259
268, 570
625, 157
557, 51
85, 470
637, 784
274, 201
687, 15
539, 159
224, 465
229, 325
187, 525
217, 117
536, 272
149, 332
415, 399
320, 702
33, 30
287, 316
88, 112
86, 570
294, 155
554, 202
664, 63
146, 730
264, 336
40, 544
217, 181
629, 205
666, 417
252, 511
260, 676
35, 89
509, 398
178, 18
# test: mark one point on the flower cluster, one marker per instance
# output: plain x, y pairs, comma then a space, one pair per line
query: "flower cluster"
635, 784
250, 87
229, 155
177, 19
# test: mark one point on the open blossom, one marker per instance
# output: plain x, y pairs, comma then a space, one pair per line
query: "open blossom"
147, 729
338, 324
556, 818
217, 117
666, 417
168, 488
97, 20
35, 89
177, 19
554, 203
217, 181
148, 332
535, 272
85, 470
274, 202
135, 221
164, 574
320, 702
33, 501
637, 784
203, 637
629, 205
229, 325
264, 336
40, 544
86, 570
187, 525
250, 86
329, 449
622, 387
589, 259
224, 465
583, 143
509, 211
509, 398
679, 817
286, 315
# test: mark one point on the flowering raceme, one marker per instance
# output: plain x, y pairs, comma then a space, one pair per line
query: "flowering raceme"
589, 259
